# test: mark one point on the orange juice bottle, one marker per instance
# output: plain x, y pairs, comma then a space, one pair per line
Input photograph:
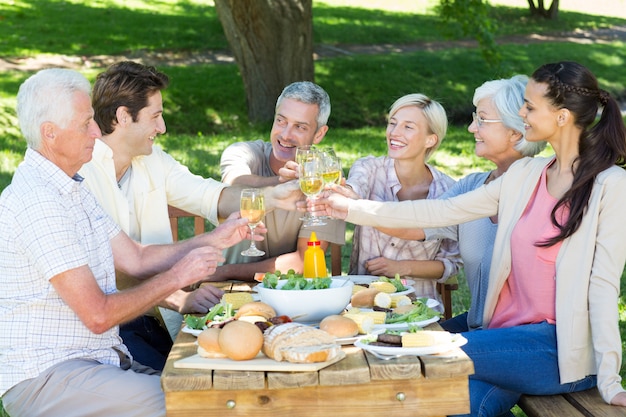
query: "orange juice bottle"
314, 260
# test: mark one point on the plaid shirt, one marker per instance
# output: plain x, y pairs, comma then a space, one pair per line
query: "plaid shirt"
374, 178
50, 224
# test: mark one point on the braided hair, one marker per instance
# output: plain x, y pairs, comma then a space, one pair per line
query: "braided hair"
601, 145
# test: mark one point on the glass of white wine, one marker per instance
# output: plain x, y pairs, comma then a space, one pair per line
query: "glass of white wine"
332, 166
311, 182
252, 207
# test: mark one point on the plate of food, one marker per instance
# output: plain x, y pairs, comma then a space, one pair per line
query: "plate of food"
393, 286
419, 343
419, 313
407, 324
187, 329
368, 279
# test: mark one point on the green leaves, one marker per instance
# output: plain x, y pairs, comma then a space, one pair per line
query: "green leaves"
295, 281
420, 312
219, 312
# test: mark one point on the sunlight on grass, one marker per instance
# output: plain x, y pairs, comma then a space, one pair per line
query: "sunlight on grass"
405, 6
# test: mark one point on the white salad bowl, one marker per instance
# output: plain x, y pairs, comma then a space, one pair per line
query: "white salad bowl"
308, 306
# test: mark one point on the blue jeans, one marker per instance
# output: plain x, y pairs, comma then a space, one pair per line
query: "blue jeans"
512, 361
147, 341
457, 324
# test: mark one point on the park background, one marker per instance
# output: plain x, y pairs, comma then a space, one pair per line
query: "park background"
368, 53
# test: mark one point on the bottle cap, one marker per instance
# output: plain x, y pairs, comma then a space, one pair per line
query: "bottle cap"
313, 240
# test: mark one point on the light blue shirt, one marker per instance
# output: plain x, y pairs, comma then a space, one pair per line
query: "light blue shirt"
475, 245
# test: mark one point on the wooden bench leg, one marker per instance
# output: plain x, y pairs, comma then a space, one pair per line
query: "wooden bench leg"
445, 290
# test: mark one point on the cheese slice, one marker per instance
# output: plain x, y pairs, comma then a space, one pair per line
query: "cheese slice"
426, 338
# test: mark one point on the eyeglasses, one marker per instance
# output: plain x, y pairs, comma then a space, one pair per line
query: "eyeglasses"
479, 120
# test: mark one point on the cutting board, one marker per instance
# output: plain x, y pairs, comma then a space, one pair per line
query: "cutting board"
260, 363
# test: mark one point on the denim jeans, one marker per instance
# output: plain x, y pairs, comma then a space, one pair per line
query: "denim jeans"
457, 324
147, 341
512, 361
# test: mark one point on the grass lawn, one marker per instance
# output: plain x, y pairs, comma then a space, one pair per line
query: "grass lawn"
205, 106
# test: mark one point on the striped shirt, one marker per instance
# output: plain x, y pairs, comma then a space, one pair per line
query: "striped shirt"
374, 178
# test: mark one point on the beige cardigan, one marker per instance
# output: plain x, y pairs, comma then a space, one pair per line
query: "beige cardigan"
157, 180
589, 264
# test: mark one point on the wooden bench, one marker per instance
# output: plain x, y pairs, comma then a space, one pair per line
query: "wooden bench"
576, 404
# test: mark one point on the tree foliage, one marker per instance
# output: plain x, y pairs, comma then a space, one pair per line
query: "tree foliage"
472, 18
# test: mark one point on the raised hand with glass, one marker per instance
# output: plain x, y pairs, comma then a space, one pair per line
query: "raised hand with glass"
310, 170
252, 207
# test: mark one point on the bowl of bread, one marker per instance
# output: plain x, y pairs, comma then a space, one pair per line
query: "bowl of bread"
308, 305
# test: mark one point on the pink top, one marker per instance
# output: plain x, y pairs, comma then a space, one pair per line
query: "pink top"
528, 295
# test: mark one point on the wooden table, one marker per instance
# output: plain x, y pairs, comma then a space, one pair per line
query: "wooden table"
359, 385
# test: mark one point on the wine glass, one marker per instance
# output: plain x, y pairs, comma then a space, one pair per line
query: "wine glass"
252, 207
304, 153
332, 166
311, 182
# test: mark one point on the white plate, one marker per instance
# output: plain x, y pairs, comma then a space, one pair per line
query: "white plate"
189, 330
351, 340
368, 279
347, 340
405, 326
431, 302
457, 341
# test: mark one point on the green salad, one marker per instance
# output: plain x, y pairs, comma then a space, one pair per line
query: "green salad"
295, 281
420, 312
218, 313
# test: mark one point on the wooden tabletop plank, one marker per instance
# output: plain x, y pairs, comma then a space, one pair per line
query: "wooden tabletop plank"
353, 369
453, 363
407, 367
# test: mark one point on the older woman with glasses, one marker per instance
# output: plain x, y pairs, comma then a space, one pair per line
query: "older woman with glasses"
499, 134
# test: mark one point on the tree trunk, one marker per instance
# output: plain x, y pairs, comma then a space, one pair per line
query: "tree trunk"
272, 42
540, 10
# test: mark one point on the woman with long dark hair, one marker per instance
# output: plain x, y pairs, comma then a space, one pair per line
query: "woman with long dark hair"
551, 311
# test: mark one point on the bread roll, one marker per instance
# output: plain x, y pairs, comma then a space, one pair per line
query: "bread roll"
256, 308
240, 340
208, 343
364, 322
339, 326
298, 343
364, 298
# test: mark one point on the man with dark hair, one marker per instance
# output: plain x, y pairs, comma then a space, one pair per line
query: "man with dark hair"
135, 180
